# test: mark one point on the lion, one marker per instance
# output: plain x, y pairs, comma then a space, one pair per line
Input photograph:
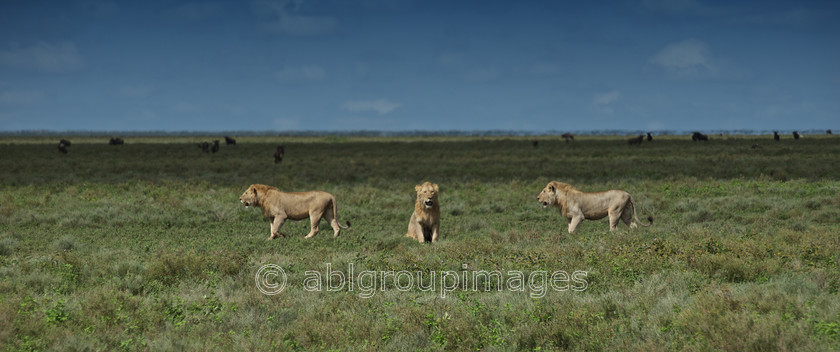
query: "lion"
279, 206
576, 205
424, 225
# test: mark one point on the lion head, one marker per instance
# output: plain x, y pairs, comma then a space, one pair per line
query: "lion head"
427, 194
249, 198
552, 191
548, 196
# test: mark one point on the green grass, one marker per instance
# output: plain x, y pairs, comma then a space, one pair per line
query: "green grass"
146, 247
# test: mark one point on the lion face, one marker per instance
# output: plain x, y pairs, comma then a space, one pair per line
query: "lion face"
547, 196
249, 197
427, 194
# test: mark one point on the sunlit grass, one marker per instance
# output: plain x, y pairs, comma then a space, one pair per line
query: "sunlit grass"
145, 246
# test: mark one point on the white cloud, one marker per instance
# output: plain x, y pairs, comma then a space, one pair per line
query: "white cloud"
20, 97
381, 106
302, 74
44, 57
283, 17
693, 59
604, 102
686, 58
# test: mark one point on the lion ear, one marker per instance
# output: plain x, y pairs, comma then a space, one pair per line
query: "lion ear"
435, 186
417, 188
551, 188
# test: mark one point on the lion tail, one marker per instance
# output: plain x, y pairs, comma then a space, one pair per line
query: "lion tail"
650, 218
335, 215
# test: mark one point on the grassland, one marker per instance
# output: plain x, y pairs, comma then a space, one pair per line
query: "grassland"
146, 247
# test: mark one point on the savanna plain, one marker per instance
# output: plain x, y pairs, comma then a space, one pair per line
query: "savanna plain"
145, 246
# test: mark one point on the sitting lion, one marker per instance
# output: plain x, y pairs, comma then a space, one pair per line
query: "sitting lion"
278, 206
576, 205
424, 225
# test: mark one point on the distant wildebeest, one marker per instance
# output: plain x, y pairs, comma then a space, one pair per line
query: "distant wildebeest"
827, 131
116, 141
62, 147
636, 140
204, 146
230, 141
279, 153
568, 137
649, 137
215, 147
697, 136
795, 135
756, 146
535, 143
776, 135
65, 142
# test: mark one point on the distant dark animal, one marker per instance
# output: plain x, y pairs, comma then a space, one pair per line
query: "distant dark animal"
230, 141
795, 135
279, 153
116, 141
204, 146
636, 140
756, 146
215, 147
697, 136
827, 131
776, 135
649, 137
65, 142
568, 137
62, 147
535, 143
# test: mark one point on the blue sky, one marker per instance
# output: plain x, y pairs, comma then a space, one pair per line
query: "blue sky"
337, 65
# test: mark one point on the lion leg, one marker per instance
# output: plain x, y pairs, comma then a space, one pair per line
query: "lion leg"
627, 218
435, 232
415, 230
614, 217
574, 222
314, 219
276, 223
328, 215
